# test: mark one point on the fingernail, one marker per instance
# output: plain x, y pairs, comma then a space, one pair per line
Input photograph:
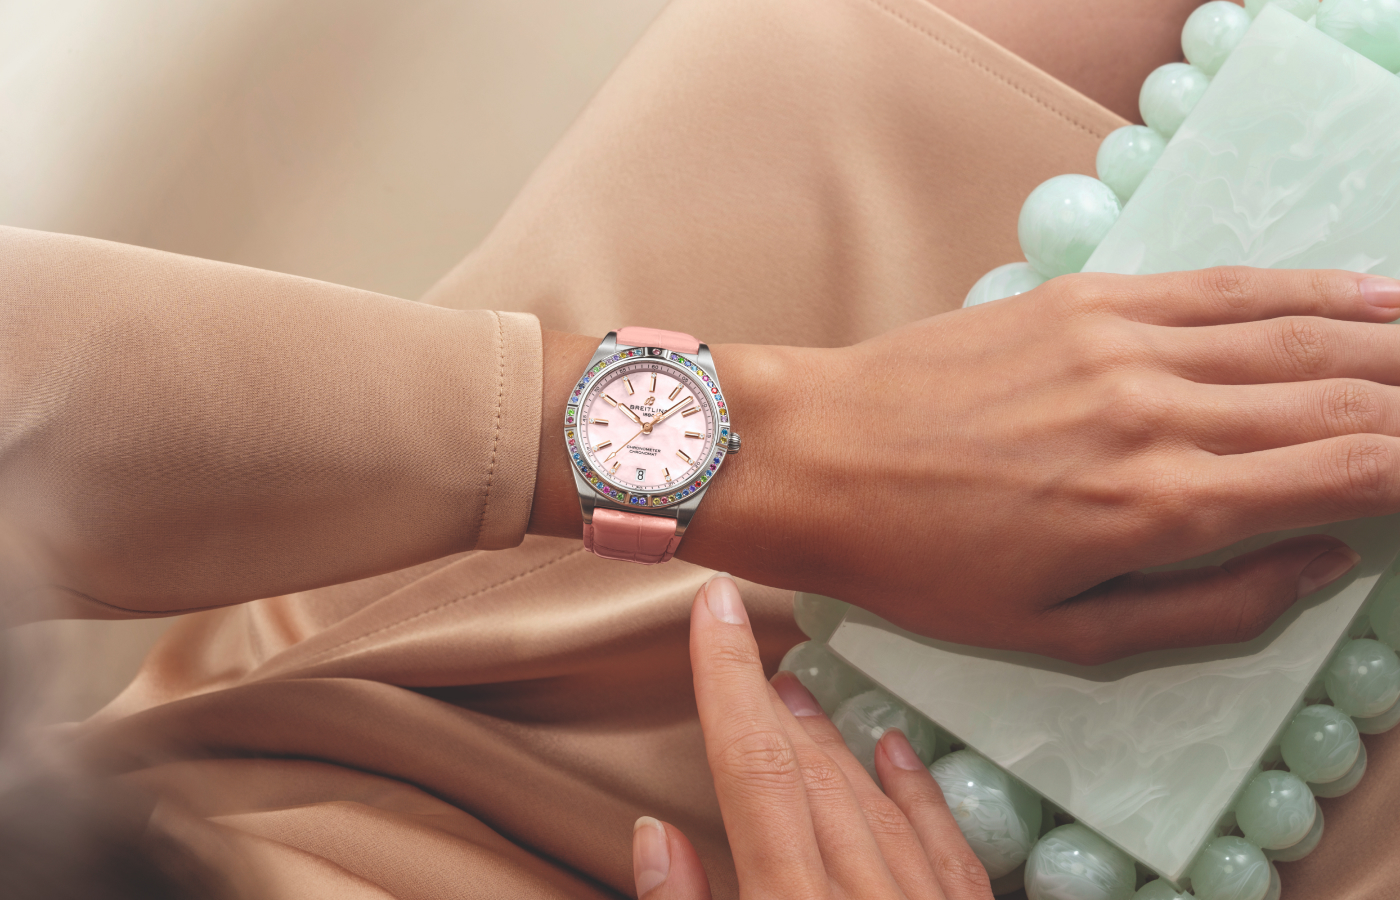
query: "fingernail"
1326, 569
796, 697
722, 597
1382, 292
900, 752
651, 854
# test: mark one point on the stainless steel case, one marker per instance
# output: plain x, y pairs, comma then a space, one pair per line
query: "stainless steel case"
725, 442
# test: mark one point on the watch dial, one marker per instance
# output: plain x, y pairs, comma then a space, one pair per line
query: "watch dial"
647, 426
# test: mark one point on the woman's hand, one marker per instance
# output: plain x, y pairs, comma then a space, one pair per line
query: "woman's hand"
998, 475
803, 817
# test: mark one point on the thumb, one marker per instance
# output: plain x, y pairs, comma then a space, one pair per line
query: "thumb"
664, 864
1222, 604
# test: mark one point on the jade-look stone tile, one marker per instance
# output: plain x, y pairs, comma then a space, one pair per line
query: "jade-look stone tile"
1290, 160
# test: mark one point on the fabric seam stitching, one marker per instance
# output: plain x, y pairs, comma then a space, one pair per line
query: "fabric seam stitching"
948, 45
496, 441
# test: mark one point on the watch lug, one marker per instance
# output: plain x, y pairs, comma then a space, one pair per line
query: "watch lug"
706, 361
686, 510
607, 348
586, 498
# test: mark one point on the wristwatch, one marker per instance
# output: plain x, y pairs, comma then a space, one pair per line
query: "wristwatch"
647, 429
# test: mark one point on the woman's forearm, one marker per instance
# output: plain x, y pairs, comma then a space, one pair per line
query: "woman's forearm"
178, 433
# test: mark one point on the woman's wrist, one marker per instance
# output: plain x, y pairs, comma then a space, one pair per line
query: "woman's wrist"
736, 521
554, 510
748, 508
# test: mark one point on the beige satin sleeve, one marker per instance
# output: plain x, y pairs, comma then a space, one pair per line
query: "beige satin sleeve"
178, 434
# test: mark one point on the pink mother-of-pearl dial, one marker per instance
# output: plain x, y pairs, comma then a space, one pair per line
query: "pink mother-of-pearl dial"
646, 462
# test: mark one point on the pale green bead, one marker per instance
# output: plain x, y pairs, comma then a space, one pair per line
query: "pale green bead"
1126, 156
1002, 282
1303, 9
1344, 784
1169, 94
1063, 220
1161, 889
1276, 810
1320, 744
999, 816
1211, 32
1384, 613
1379, 723
1073, 863
829, 678
864, 719
1363, 679
1303, 847
1231, 868
818, 616
1370, 27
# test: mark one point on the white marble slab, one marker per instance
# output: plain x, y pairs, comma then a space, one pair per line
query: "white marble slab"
1292, 159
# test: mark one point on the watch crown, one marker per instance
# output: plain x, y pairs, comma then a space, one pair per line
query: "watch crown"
734, 442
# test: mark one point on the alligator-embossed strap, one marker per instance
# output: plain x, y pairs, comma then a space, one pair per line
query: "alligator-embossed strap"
655, 337
630, 536
627, 535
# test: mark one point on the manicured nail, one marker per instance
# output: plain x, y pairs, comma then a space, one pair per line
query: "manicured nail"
1326, 569
722, 597
651, 854
899, 751
796, 697
1382, 292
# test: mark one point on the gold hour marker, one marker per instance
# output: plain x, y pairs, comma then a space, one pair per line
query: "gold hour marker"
628, 382
681, 454
690, 412
616, 464
667, 473
597, 421
694, 434
610, 400
603, 446
653, 384
675, 392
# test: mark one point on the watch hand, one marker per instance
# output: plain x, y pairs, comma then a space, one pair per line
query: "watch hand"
623, 444
663, 416
629, 414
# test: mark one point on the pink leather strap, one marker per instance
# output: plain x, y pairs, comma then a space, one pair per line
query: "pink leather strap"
655, 337
627, 535
630, 536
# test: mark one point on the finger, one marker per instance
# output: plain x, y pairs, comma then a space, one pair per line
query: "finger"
1349, 477
912, 789
1224, 604
1238, 294
1291, 348
1225, 419
664, 864
893, 835
757, 777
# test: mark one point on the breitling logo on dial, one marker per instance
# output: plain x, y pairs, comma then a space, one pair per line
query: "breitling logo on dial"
650, 401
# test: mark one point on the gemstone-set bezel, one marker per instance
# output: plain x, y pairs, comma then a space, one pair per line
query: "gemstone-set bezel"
671, 496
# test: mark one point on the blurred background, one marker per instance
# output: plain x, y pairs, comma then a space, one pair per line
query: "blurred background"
364, 142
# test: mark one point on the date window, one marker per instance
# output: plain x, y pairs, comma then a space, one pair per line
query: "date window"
641, 474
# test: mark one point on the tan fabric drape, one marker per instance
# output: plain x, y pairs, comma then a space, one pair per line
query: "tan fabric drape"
489, 724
